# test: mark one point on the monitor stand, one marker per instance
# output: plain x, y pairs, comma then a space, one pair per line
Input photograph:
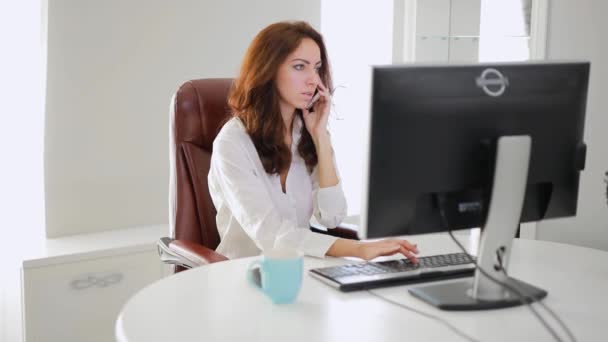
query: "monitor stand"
480, 292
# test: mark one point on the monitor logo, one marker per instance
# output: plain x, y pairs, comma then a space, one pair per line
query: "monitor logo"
492, 82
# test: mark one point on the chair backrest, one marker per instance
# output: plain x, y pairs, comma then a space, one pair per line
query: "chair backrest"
198, 111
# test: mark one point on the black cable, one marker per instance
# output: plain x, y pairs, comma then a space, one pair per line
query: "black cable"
546, 307
523, 298
606, 181
427, 315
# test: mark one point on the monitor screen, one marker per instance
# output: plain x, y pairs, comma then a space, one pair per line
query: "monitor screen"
433, 134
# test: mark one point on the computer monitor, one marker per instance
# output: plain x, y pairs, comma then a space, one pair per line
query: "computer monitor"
481, 145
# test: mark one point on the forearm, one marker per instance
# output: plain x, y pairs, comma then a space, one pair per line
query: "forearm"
344, 247
327, 171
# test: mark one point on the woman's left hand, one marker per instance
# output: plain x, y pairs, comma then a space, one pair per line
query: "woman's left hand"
316, 121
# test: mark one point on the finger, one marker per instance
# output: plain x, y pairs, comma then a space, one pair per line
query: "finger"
388, 250
320, 106
326, 93
409, 255
323, 98
412, 247
324, 101
323, 90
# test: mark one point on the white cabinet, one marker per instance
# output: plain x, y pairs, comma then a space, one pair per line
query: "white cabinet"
447, 31
77, 296
433, 18
469, 31
464, 49
465, 17
432, 49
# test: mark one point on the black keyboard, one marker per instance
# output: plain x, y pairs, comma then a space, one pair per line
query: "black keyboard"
396, 272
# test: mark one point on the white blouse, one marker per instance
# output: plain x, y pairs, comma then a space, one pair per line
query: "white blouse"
253, 213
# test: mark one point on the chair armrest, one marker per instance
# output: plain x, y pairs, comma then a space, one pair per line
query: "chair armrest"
341, 232
186, 253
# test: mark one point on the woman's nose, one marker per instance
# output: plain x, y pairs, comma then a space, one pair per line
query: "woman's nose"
314, 79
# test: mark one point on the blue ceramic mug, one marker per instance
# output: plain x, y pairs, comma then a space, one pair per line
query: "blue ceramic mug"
280, 272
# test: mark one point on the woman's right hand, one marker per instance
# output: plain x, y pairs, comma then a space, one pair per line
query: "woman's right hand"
373, 249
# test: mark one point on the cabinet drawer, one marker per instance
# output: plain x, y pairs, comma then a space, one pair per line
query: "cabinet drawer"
80, 301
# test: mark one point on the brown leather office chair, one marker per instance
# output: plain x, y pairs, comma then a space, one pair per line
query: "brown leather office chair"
198, 111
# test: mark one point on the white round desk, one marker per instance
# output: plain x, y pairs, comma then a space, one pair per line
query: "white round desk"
216, 303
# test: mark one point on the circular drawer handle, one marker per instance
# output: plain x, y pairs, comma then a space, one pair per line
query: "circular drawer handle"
89, 281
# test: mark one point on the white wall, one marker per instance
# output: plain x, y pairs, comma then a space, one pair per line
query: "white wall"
578, 30
112, 68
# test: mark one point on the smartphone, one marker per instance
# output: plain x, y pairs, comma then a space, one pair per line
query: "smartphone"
314, 99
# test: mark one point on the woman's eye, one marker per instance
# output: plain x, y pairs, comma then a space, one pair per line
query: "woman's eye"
318, 70
299, 66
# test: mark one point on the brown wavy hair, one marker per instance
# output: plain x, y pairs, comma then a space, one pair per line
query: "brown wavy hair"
254, 98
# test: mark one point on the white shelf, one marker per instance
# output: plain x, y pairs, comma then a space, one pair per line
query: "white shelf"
76, 248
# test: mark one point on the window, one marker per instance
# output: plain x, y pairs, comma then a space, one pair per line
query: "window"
21, 124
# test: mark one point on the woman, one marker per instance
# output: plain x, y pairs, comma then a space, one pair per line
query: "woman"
272, 165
